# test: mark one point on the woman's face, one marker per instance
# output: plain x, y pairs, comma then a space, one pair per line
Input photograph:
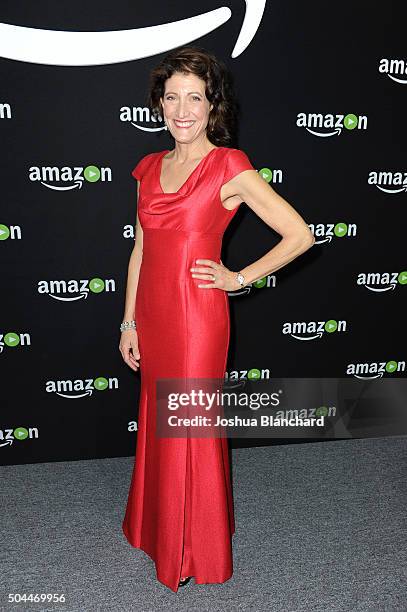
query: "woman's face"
185, 107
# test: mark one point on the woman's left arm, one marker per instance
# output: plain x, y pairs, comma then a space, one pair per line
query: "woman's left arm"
280, 216
274, 210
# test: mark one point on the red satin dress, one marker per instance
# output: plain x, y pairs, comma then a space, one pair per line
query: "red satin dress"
180, 505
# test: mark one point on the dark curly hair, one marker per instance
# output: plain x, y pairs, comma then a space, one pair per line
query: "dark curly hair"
222, 124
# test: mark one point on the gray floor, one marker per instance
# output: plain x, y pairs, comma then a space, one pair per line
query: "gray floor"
320, 526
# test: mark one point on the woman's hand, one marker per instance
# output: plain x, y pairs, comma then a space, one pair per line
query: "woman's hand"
221, 277
129, 348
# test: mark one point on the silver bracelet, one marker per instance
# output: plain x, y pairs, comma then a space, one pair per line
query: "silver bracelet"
127, 325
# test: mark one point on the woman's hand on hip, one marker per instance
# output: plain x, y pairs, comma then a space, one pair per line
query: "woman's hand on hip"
219, 276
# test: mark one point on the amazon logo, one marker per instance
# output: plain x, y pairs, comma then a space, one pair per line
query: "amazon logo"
381, 281
74, 48
76, 177
394, 68
375, 369
137, 115
80, 388
324, 233
389, 181
313, 330
63, 290
9, 436
330, 124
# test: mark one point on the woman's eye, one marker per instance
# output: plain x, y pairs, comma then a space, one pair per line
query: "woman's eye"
196, 98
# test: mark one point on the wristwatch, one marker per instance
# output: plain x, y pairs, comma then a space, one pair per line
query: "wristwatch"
240, 279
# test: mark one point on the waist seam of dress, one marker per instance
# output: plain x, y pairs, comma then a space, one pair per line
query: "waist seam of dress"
180, 231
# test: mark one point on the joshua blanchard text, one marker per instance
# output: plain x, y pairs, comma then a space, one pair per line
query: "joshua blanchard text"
236, 421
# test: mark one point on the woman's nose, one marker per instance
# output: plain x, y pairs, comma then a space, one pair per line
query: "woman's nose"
182, 110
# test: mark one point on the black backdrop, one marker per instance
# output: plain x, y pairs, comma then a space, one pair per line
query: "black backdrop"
66, 235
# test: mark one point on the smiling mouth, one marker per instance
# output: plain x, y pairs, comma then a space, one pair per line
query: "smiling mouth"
183, 124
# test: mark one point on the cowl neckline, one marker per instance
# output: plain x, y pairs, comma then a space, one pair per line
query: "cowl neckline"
186, 183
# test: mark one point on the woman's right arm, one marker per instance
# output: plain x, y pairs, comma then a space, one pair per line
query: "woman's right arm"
129, 340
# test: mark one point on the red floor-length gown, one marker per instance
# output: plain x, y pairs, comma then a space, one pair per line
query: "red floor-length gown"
180, 506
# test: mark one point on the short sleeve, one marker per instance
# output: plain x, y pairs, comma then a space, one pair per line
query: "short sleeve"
139, 170
236, 162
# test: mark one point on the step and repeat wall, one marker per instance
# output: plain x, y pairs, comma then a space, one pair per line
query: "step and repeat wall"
323, 95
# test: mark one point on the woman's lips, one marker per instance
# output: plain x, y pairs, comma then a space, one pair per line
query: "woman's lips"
183, 124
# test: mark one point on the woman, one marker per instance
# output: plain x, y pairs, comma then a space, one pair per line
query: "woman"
176, 317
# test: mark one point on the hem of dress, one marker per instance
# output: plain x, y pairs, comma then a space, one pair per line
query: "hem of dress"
163, 580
